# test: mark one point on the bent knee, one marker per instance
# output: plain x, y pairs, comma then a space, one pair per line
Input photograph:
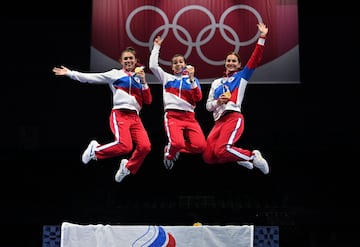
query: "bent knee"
145, 148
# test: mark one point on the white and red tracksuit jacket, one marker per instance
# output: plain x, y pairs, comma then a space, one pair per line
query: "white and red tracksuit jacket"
180, 97
229, 121
129, 96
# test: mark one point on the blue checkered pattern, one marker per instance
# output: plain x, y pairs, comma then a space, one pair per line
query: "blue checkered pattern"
266, 236
51, 236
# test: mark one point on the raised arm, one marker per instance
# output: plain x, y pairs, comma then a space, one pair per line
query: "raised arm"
158, 40
262, 29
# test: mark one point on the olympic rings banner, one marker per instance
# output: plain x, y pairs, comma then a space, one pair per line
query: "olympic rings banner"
204, 31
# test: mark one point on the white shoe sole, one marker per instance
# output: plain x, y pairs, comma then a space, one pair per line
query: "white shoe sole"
122, 172
246, 164
86, 156
260, 163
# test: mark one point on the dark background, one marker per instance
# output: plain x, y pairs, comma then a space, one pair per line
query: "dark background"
307, 132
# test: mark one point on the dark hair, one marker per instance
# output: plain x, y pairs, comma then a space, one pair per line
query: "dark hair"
178, 55
129, 49
235, 54
132, 51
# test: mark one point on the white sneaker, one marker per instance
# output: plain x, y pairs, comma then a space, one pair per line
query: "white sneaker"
89, 153
260, 162
122, 172
168, 164
177, 155
246, 164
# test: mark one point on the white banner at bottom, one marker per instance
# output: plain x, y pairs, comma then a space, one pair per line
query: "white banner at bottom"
75, 235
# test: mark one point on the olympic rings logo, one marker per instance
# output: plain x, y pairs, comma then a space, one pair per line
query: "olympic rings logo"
200, 40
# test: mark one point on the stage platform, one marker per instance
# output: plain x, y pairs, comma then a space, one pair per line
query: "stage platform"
76, 235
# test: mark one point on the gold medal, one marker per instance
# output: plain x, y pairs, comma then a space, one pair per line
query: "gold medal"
138, 69
227, 94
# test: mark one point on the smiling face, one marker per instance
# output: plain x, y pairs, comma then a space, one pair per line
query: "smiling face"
128, 60
178, 63
232, 63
